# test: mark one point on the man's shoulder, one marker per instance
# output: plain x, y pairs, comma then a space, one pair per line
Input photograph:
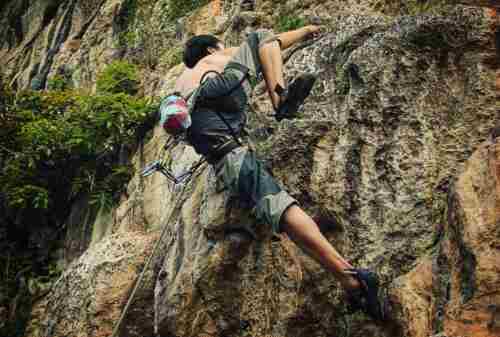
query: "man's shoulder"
184, 83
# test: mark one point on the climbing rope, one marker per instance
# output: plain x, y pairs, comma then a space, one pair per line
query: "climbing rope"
185, 179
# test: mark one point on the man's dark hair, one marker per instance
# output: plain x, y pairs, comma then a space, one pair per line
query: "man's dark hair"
197, 48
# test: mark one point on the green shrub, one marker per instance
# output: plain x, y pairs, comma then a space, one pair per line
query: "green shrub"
56, 146
425, 6
173, 56
118, 77
175, 9
19, 196
123, 22
289, 22
57, 82
60, 143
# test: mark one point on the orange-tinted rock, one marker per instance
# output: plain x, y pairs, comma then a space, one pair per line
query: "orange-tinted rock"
216, 8
410, 301
497, 84
485, 3
456, 292
472, 246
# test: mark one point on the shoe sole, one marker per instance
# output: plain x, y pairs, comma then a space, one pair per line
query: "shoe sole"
299, 90
370, 289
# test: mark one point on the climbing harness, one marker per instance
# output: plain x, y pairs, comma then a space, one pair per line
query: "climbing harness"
175, 119
245, 72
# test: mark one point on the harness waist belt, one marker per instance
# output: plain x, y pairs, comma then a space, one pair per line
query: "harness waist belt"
224, 149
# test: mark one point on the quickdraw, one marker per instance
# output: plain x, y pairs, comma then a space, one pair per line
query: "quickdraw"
161, 165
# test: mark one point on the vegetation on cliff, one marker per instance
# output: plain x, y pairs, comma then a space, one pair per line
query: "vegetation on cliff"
64, 140
56, 145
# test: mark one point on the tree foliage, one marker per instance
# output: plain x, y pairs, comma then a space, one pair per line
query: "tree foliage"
118, 77
57, 144
175, 9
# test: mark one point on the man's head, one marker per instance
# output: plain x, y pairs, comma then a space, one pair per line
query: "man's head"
200, 46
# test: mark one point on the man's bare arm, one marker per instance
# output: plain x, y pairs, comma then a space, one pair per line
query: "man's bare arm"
290, 38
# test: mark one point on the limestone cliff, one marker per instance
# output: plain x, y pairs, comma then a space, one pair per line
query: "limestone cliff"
395, 155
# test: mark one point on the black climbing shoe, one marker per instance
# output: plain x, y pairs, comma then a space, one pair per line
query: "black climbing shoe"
294, 96
365, 298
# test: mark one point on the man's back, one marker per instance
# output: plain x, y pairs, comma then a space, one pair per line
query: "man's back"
190, 78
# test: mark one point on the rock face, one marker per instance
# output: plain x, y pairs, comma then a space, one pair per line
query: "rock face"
88, 298
456, 291
471, 248
373, 158
37, 35
392, 155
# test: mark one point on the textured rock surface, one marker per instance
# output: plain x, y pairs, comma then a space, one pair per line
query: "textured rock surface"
405, 110
88, 298
372, 159
401, 104
410, 299
47, 31
471, 247
456, 292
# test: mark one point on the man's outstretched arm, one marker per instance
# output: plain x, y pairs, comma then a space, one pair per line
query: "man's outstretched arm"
290, 38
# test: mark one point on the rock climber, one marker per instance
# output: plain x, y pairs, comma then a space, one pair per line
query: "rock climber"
219, 111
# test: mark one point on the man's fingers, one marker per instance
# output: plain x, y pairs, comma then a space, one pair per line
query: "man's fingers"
317, 31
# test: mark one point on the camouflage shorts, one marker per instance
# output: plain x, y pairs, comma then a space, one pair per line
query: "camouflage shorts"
246, 178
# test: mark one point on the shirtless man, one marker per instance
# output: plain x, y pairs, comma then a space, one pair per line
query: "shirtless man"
218, 113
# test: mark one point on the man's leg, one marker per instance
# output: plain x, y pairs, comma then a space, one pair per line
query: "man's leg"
305, 233
272, 69
246, 177
272, 62
243, 171
286, 102
296, 223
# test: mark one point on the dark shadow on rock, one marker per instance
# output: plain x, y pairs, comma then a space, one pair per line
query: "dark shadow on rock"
215, 297
221, 295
